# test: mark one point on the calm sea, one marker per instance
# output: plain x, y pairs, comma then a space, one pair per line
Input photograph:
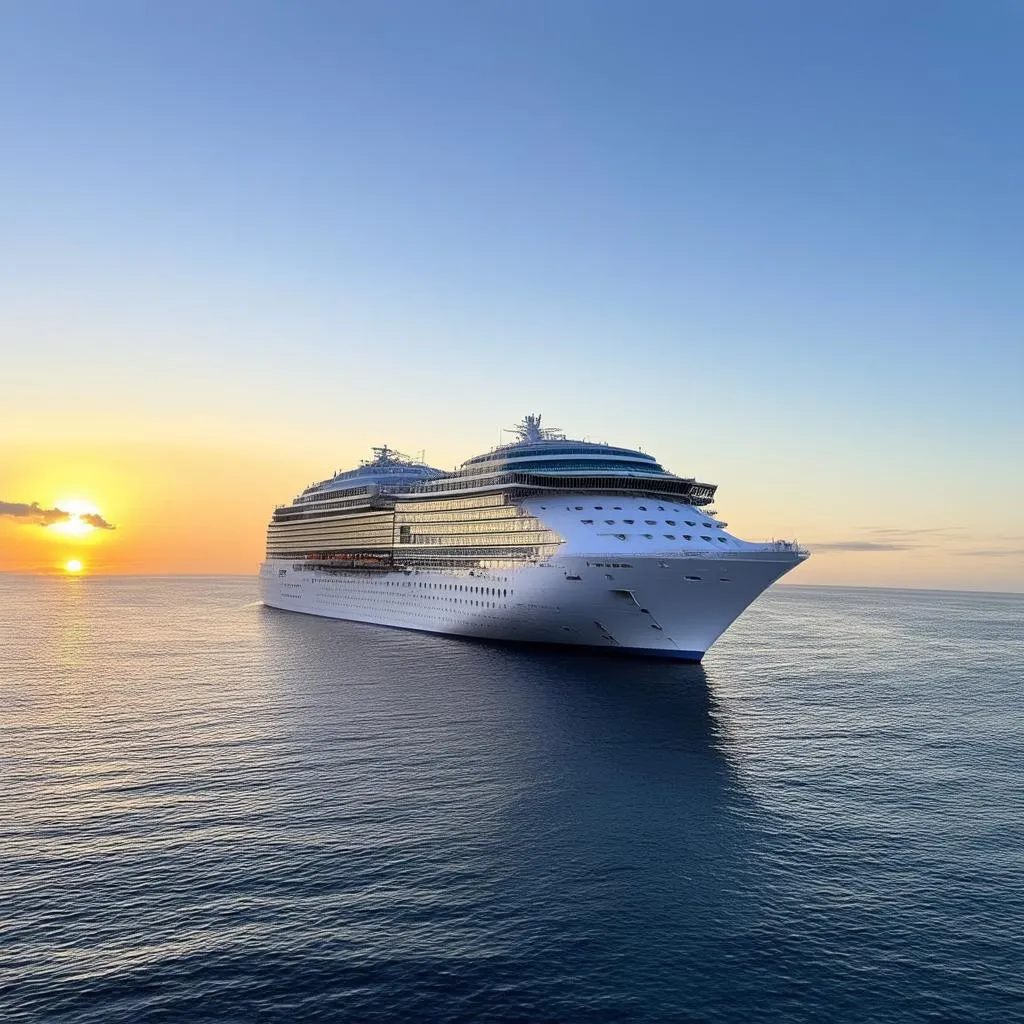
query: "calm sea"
215, 811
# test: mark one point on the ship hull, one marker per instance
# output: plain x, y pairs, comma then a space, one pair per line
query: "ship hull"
668, 607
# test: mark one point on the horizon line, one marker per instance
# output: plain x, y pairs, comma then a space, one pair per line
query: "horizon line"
241, 575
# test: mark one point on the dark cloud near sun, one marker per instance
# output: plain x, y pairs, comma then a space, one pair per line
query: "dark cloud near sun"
34, 514
95, 519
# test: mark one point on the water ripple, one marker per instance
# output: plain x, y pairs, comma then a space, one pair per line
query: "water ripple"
215, 812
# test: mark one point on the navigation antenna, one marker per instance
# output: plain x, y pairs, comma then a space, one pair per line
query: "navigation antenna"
530, 430
383, 455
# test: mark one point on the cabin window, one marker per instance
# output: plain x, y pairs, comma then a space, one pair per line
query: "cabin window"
670, 536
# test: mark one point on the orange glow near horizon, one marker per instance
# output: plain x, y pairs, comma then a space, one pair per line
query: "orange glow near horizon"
177, 509
188, 509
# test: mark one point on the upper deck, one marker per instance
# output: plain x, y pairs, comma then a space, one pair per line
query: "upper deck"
543, 459
539, 460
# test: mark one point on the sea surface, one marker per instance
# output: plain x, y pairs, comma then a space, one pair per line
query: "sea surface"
214, 811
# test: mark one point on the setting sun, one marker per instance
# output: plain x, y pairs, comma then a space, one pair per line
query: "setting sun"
73, 565
74, 525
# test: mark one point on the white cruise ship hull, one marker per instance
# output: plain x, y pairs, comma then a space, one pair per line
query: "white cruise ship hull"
672, 606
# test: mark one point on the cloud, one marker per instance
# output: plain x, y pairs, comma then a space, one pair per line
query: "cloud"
992, 552
95, 519
949, 540
34, 514
894, 538
860, 545
914, 533
908, 530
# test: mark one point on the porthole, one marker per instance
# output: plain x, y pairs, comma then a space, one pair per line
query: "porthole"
670, 536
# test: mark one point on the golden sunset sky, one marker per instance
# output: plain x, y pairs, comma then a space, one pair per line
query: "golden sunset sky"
243, 244
190, 507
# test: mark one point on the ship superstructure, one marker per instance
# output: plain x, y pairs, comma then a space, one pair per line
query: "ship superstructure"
545, 540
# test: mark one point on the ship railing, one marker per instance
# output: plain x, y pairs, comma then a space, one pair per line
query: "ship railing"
783, 545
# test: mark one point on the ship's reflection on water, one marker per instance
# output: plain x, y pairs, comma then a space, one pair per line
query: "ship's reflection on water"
527, 789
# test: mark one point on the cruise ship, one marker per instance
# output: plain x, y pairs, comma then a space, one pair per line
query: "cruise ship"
544, 540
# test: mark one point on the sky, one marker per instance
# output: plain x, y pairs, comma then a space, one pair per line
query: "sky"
778, 245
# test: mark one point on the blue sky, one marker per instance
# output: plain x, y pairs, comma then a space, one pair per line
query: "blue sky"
761, 240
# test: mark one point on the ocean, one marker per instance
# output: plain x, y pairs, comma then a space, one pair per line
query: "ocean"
214, 811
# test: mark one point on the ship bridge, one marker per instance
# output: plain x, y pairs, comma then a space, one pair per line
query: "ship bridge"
544, 459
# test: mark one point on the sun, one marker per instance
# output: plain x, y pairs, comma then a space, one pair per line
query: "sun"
73, 566
74, 526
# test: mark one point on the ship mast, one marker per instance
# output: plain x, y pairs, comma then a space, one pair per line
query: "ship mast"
529, 430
